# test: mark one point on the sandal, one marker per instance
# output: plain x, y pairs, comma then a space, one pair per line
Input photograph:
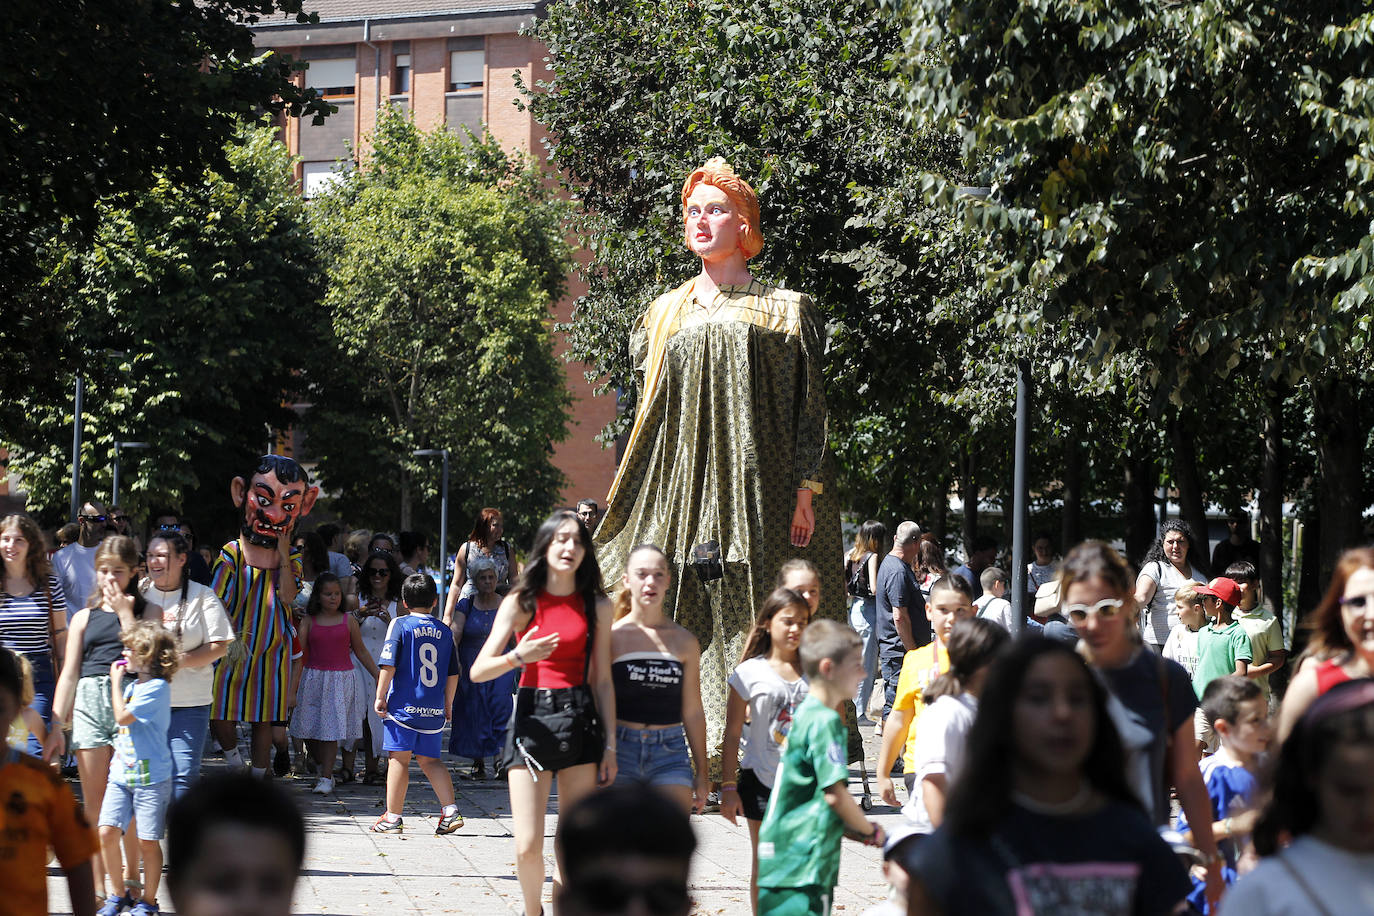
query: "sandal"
374, 779
347, 776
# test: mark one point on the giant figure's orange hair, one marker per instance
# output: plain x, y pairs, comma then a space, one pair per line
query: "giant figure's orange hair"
718, 173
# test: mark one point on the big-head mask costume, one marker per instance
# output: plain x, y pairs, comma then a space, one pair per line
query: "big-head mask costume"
274, 497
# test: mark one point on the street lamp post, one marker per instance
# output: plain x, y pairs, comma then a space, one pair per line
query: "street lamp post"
77, 406
443, 515
1020, 484
114, 484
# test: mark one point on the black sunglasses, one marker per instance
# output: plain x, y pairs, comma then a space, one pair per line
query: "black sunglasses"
92, 518
376, 571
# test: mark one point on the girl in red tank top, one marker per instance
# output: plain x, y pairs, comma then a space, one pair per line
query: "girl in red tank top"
559, 613
1342, 646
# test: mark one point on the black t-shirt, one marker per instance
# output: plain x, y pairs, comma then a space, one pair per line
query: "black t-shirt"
1136, 685
1107, 863
896, 587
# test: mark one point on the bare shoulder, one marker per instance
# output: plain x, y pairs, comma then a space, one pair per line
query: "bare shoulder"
682, 642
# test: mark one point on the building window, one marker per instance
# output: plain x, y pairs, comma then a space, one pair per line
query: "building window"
316, 177
466, 70
333, 78
400, 80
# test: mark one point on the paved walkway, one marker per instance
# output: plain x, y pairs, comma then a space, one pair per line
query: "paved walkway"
349, 870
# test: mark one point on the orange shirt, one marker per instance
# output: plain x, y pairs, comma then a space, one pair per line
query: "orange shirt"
39, 811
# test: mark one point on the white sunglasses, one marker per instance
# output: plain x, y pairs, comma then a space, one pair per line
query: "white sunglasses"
1107, 608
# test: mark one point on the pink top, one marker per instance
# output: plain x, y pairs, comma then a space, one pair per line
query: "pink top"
330, 647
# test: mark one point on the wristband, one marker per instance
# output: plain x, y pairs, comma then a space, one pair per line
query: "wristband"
729, 785
734, 789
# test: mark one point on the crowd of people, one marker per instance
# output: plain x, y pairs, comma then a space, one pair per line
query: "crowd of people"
1120, 748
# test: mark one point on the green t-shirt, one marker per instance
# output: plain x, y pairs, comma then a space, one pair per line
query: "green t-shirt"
1217, 650
799, 842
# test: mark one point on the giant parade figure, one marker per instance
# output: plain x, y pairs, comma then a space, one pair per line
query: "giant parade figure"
726, 467
257, 576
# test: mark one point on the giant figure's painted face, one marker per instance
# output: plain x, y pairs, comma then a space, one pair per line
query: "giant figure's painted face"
273, 500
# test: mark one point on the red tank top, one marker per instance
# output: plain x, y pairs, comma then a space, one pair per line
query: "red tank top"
330, 647
565, 615
1329, 674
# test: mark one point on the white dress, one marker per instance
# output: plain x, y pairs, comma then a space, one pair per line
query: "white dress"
374, 634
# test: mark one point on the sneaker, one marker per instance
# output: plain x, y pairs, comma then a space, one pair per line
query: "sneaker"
324, 786
113, 905
144, 908
281, 764
863, 720
382, 825
448, 823
233, 759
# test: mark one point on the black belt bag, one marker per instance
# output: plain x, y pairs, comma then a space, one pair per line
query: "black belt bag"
554, 728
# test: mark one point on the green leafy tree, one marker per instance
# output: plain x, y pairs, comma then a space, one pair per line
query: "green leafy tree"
205, 289
1188, 182
445, 254
99, 100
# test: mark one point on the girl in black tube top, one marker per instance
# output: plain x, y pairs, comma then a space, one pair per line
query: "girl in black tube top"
656, 665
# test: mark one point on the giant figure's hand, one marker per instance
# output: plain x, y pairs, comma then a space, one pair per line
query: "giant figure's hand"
803, 520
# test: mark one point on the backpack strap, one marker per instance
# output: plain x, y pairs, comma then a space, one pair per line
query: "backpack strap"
1162, 669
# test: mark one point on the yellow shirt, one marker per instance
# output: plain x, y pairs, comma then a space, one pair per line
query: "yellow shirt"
919, 668
39, 811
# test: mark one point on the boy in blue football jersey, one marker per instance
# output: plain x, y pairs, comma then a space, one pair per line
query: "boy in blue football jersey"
419, 676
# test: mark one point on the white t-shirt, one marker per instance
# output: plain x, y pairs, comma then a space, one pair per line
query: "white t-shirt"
1342, 881
997, 610
772, 703
202, 619
1037, 575
1182, 647
1162, 614
75, 566
941, 739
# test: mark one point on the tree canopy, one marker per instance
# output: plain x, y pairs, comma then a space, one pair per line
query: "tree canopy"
188, 313
444, 255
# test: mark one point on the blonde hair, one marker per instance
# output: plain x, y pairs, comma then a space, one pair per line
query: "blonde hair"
1187, 592
719, 174
153, 648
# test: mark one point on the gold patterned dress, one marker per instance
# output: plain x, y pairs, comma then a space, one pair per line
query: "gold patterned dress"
731, 422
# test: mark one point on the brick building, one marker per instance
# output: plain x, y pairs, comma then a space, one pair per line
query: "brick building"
449, 62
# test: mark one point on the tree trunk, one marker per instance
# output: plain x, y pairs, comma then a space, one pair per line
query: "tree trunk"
406, 500
1071, 519
1189, 483
968, 489
1271, 502
1142, 476
939, 509
1340, 451
1310, 582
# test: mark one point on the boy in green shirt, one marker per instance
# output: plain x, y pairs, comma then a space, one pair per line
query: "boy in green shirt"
811, 808
1223, 648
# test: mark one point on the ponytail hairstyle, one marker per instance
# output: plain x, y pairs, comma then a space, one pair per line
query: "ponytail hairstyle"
623, 599
760, 641
973, 645
312, 605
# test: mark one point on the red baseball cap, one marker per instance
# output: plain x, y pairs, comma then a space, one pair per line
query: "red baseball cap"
1223, 588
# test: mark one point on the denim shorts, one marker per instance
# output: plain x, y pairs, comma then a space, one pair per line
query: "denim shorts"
656, 756
149, 803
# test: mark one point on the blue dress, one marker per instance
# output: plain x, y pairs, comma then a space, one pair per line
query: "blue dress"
480, 711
